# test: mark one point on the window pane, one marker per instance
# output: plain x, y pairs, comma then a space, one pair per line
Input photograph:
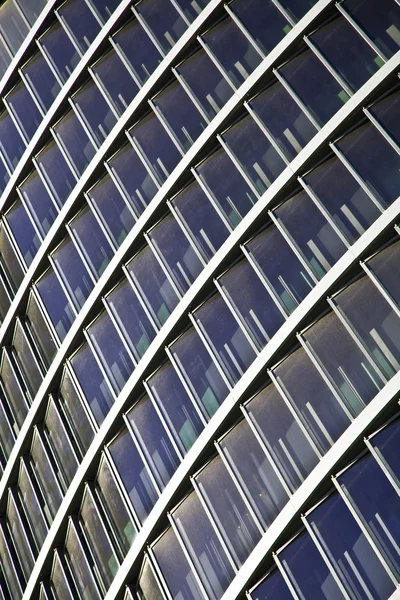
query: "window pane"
281, 268
232, 516
254, 305
386, 445
201, 219
80, 21
75, 413
59, 441
94, 386
284, 119
23, 231
153, 441
131, 318
378, 505
163, 20
386, 112
57, 305
56, 172
12, 26
350, 207
26, 360
227, 341
11, 144
203, 546
316, 239
72, 272
116, 80
43, 470
40, 331
199, 371
111, 351
312, 399
205, 82
153, 286
307, 570
259, 159
227, 186
282, 435
133, 474
59, 49
75, 142
315, 86
82, 573
176, 252
21, 104
177, 408
271, 588
137, 48
353, 558
254, 472
39, 203
91, 241
365, 147
233, 51
95, 112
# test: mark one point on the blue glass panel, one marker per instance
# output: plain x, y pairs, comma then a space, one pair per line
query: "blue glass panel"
137, 48
232, 516
75, 413
175, 568
81, 22
112, 209
41, 80
153, 286
316, 239
284, 119
95, 112
375, 322
315, 86
116, 80
386, 112
110, 351
133, 177
288, 446
386, 444
350, 207
72, 272
11, 144
154, 441
365, 147
315, 404
131, 318
32, 9
163, 20
156, 146
255, 473
263, 20
91, 241
133, 474
281, 267
378, 504
22, 229
60, 51
177, 408
274, 586
199, 371
307, 571
180, 114
176, 252
297, 8
381, 23
227, 341
206, 82
95, 388
201, 219
105, 7
12, 26
75, 141
21, 104
56, 172
345, 49
351, 554
386, 267
253, 303
233, 50
259, 159
347, 366
203, 546
227, 186
39, 203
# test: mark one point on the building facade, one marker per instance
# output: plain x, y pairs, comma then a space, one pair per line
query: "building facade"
200, 300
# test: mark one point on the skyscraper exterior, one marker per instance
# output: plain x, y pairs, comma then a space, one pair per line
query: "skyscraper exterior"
200, 300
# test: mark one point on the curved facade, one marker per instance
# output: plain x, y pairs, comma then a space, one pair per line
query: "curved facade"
200, 300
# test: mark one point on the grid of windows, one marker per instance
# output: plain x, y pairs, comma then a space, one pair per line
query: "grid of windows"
128, 158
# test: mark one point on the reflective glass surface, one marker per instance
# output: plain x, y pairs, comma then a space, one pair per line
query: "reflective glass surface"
80, 21
283, 437
116, 81
39, 202
56, 172
72, 272
59, 440
91, 241
56, 303
386, 445
75, 412
163, 20
59, 50
177, 408
81, 570
234, 52
12, 26
272, 587
95, 111
40, 331
27, 240
74, 141
386, 112
11, 144
21, 104
225, 337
